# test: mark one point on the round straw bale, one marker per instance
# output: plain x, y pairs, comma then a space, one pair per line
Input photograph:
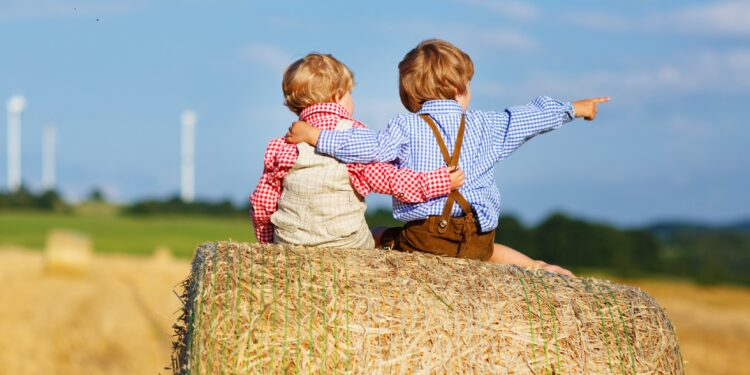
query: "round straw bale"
286, 309
67, 252
162, 254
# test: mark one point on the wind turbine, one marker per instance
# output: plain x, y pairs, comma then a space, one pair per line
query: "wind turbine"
49, 140
187, 191
15, 105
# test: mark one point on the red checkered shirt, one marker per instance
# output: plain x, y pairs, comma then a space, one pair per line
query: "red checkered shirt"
384, 178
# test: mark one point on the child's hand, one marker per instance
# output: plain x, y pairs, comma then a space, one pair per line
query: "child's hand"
301, 131
457, 177
554, 269
586, 108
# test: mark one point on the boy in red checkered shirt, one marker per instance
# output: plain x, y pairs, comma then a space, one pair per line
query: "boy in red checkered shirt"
305, 198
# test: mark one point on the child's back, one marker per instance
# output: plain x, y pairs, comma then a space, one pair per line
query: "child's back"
305, 198
488, 138
318, 206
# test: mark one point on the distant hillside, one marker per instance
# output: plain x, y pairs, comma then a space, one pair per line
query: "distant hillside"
743, 225
669, 229
704, 252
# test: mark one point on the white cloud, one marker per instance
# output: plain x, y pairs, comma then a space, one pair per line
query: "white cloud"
603, 21
500, 39
472, 38
700, 72
726, 18
267, 55
513, 9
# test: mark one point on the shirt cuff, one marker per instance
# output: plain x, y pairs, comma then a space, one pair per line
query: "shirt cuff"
326, 142
439, 183
569, 112
264, 233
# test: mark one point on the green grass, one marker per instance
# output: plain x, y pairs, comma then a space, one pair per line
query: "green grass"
125, 234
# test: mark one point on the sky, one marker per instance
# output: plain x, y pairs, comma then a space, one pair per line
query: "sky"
114, 76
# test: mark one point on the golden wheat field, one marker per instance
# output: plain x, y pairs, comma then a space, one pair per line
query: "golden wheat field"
116, 317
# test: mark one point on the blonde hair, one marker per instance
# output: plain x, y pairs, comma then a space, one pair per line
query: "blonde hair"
435, 69
315, 78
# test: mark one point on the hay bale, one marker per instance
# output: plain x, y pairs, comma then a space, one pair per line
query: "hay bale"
67, 252
286, 309
162, 254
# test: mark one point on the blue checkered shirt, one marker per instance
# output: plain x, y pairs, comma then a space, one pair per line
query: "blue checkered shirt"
488, 138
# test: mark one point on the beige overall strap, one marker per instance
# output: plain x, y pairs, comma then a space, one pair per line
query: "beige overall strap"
451, 161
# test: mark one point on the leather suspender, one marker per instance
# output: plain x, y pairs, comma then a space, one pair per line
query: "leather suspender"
451, 161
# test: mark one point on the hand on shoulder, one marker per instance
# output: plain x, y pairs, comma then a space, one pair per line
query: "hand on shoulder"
301, 131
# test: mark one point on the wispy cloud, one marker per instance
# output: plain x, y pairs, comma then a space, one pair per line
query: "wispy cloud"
42, 9
474, 38
598, 20
511, 9
727, 18
701, 72
724, 18
267, 55
498, 38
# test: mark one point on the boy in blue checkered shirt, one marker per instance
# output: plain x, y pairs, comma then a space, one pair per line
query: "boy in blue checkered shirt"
434, 85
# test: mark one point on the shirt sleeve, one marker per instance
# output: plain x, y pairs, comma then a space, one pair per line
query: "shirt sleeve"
363, 145
516, 125
406, 185
264, 201
266, 196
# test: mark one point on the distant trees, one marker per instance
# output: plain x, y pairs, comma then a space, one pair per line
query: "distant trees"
697, 252
564, 240
702, 254
49, 200
175, 205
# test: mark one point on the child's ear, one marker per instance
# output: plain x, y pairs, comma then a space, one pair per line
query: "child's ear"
462, 90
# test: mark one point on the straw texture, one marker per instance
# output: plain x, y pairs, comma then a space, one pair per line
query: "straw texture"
286, 309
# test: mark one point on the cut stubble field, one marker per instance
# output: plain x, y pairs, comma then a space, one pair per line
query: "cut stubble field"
116, 317
125, 234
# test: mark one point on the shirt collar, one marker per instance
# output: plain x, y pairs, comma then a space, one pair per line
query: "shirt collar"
325, 109
440, 106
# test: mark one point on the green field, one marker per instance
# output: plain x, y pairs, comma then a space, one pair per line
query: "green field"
125, 234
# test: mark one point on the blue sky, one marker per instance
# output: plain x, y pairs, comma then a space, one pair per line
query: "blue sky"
113, 76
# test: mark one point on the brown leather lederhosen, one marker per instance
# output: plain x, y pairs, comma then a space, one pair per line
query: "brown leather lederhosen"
445, 235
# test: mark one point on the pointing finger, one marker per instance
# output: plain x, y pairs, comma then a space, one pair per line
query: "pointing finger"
602, 99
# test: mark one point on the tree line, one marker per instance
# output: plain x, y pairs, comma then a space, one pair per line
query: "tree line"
703, 253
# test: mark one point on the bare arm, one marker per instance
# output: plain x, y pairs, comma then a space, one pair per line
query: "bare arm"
505, 255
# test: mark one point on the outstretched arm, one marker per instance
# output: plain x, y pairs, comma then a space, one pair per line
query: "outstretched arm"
354, 145
516, 125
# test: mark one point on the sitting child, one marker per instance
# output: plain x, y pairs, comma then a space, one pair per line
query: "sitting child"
434, 82
305, 198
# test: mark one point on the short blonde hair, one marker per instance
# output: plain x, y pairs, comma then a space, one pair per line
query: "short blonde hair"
315, 78
435, 69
